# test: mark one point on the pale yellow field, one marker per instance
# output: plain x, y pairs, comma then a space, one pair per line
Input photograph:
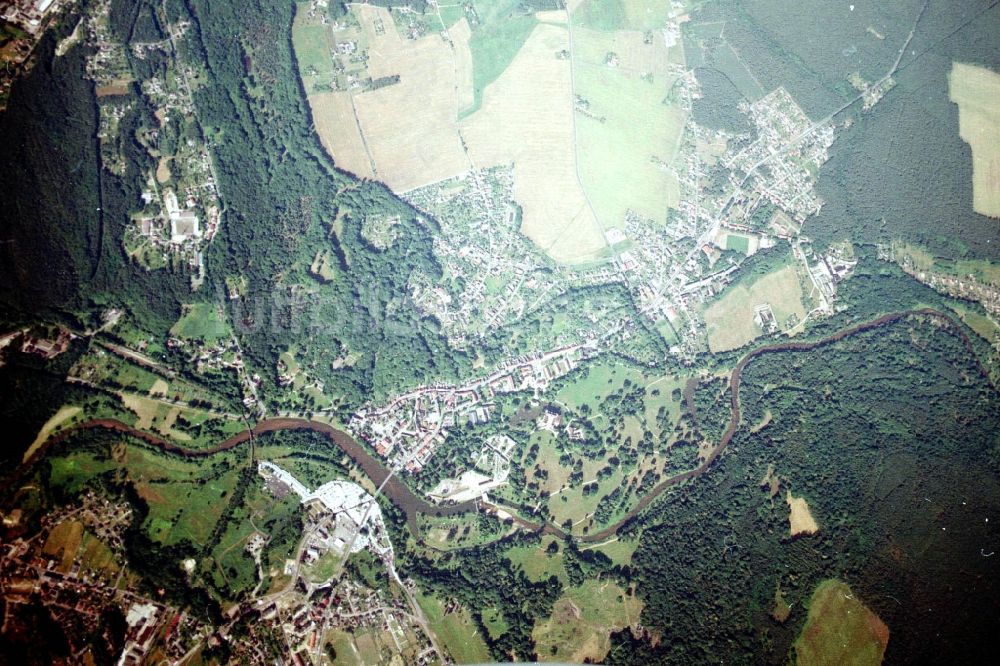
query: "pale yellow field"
976, 91
64, 414
730, 321
527, 118
333, 114
409, 126
144, 408
800, 519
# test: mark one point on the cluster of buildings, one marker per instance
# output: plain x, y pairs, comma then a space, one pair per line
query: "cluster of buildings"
493, 459
481, 243
76, 592
413, 425
341, 519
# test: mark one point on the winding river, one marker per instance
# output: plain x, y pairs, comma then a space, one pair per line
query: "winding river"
412, 505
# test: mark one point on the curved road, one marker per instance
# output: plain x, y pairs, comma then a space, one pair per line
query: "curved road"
412, 504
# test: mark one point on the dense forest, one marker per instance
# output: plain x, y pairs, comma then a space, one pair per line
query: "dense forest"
888, 434
901, 169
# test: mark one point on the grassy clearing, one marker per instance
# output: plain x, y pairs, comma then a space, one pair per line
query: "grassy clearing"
597, 384
583, 620
981, 324
976, 90
730, 320
495, 622
536, 563
840, 630
456, 630
201, 321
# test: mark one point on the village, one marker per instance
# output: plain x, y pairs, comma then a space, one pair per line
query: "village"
342, 519
408, 429
68, 575
182, 208
22, 25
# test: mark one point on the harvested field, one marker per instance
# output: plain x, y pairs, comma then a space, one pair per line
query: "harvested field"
840, 630
409, 126
526, 118
112, 89
333, 115
800, 519
64, 414
63, 542
464, 84
976, 91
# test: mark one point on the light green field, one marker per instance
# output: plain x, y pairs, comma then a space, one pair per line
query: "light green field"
582, 621
201, 321
457, 631
730, 320
536, 563
627, 134
612, 15
840, 629
601, 381
312, 45
738, 243
495, 41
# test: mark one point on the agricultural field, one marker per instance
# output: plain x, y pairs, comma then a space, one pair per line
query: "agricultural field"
527, 118
976, 90
582, 622
840, 629
730, 320
626, 135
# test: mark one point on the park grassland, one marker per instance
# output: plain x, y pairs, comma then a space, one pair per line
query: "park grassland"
840, 630
201, 321
582, 621
456, 630
730, 320
976, 90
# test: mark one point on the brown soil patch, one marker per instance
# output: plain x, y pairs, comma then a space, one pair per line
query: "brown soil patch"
800, 519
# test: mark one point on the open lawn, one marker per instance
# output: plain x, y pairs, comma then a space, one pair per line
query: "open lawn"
202, 321
583, 620
617, 549
609, 15
976, 91
840, 630
730, 320
456, 630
